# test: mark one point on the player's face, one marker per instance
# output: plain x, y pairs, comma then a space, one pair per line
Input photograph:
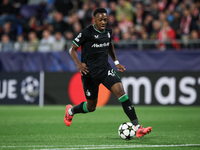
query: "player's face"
101, 20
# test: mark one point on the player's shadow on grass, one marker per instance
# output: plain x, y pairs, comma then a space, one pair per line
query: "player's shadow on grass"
132, 141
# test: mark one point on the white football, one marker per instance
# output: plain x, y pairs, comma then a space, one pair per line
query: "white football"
127, 131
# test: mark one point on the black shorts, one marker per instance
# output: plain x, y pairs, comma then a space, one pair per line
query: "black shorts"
91, 85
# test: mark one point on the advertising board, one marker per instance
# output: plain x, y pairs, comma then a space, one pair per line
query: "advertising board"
21, 88
143, 88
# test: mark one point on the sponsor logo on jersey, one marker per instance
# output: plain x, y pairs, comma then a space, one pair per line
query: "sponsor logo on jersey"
96, 36
101, 45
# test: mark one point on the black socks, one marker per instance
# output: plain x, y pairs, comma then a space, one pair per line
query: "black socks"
81, 108
129, 109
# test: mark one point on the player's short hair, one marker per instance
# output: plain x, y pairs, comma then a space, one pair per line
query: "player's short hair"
99, 10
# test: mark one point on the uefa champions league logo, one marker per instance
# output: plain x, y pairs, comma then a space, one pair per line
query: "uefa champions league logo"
30, 89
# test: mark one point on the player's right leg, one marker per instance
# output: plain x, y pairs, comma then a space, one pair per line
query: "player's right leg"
117, 89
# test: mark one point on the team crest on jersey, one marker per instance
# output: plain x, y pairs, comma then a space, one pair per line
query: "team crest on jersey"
108, 35
88, 93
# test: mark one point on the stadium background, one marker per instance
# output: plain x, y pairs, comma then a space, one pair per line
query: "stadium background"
157, 41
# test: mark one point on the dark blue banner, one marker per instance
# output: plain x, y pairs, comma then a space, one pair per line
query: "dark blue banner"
160, 61
132, 60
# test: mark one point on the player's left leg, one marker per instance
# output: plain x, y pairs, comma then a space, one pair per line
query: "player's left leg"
118, 90
113, 83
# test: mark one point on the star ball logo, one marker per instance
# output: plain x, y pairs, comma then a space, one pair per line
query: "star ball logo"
30, 89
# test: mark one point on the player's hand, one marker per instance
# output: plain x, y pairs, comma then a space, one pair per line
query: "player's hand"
82, 68
121, 68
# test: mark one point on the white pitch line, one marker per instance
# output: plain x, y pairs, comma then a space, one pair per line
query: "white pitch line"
121, 146
80, 147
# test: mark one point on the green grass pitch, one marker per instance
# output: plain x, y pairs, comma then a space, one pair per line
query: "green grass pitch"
32, 127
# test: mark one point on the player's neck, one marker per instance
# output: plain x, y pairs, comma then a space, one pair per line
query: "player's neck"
95, 28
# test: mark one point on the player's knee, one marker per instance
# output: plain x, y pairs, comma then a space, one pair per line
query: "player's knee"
118, 90
121, 92
91, 109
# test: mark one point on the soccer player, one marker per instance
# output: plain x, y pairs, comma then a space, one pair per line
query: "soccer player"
96, 43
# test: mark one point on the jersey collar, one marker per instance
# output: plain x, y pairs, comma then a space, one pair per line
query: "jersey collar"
98, 30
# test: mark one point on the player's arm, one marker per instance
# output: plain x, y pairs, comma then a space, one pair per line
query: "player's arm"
112, 54
81, 66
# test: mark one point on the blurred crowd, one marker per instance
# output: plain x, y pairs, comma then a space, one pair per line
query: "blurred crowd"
46, 25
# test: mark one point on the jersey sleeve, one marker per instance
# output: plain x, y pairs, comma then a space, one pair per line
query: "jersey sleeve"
80, 38
111, 33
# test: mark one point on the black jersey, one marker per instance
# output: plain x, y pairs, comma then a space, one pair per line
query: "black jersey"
94, 48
